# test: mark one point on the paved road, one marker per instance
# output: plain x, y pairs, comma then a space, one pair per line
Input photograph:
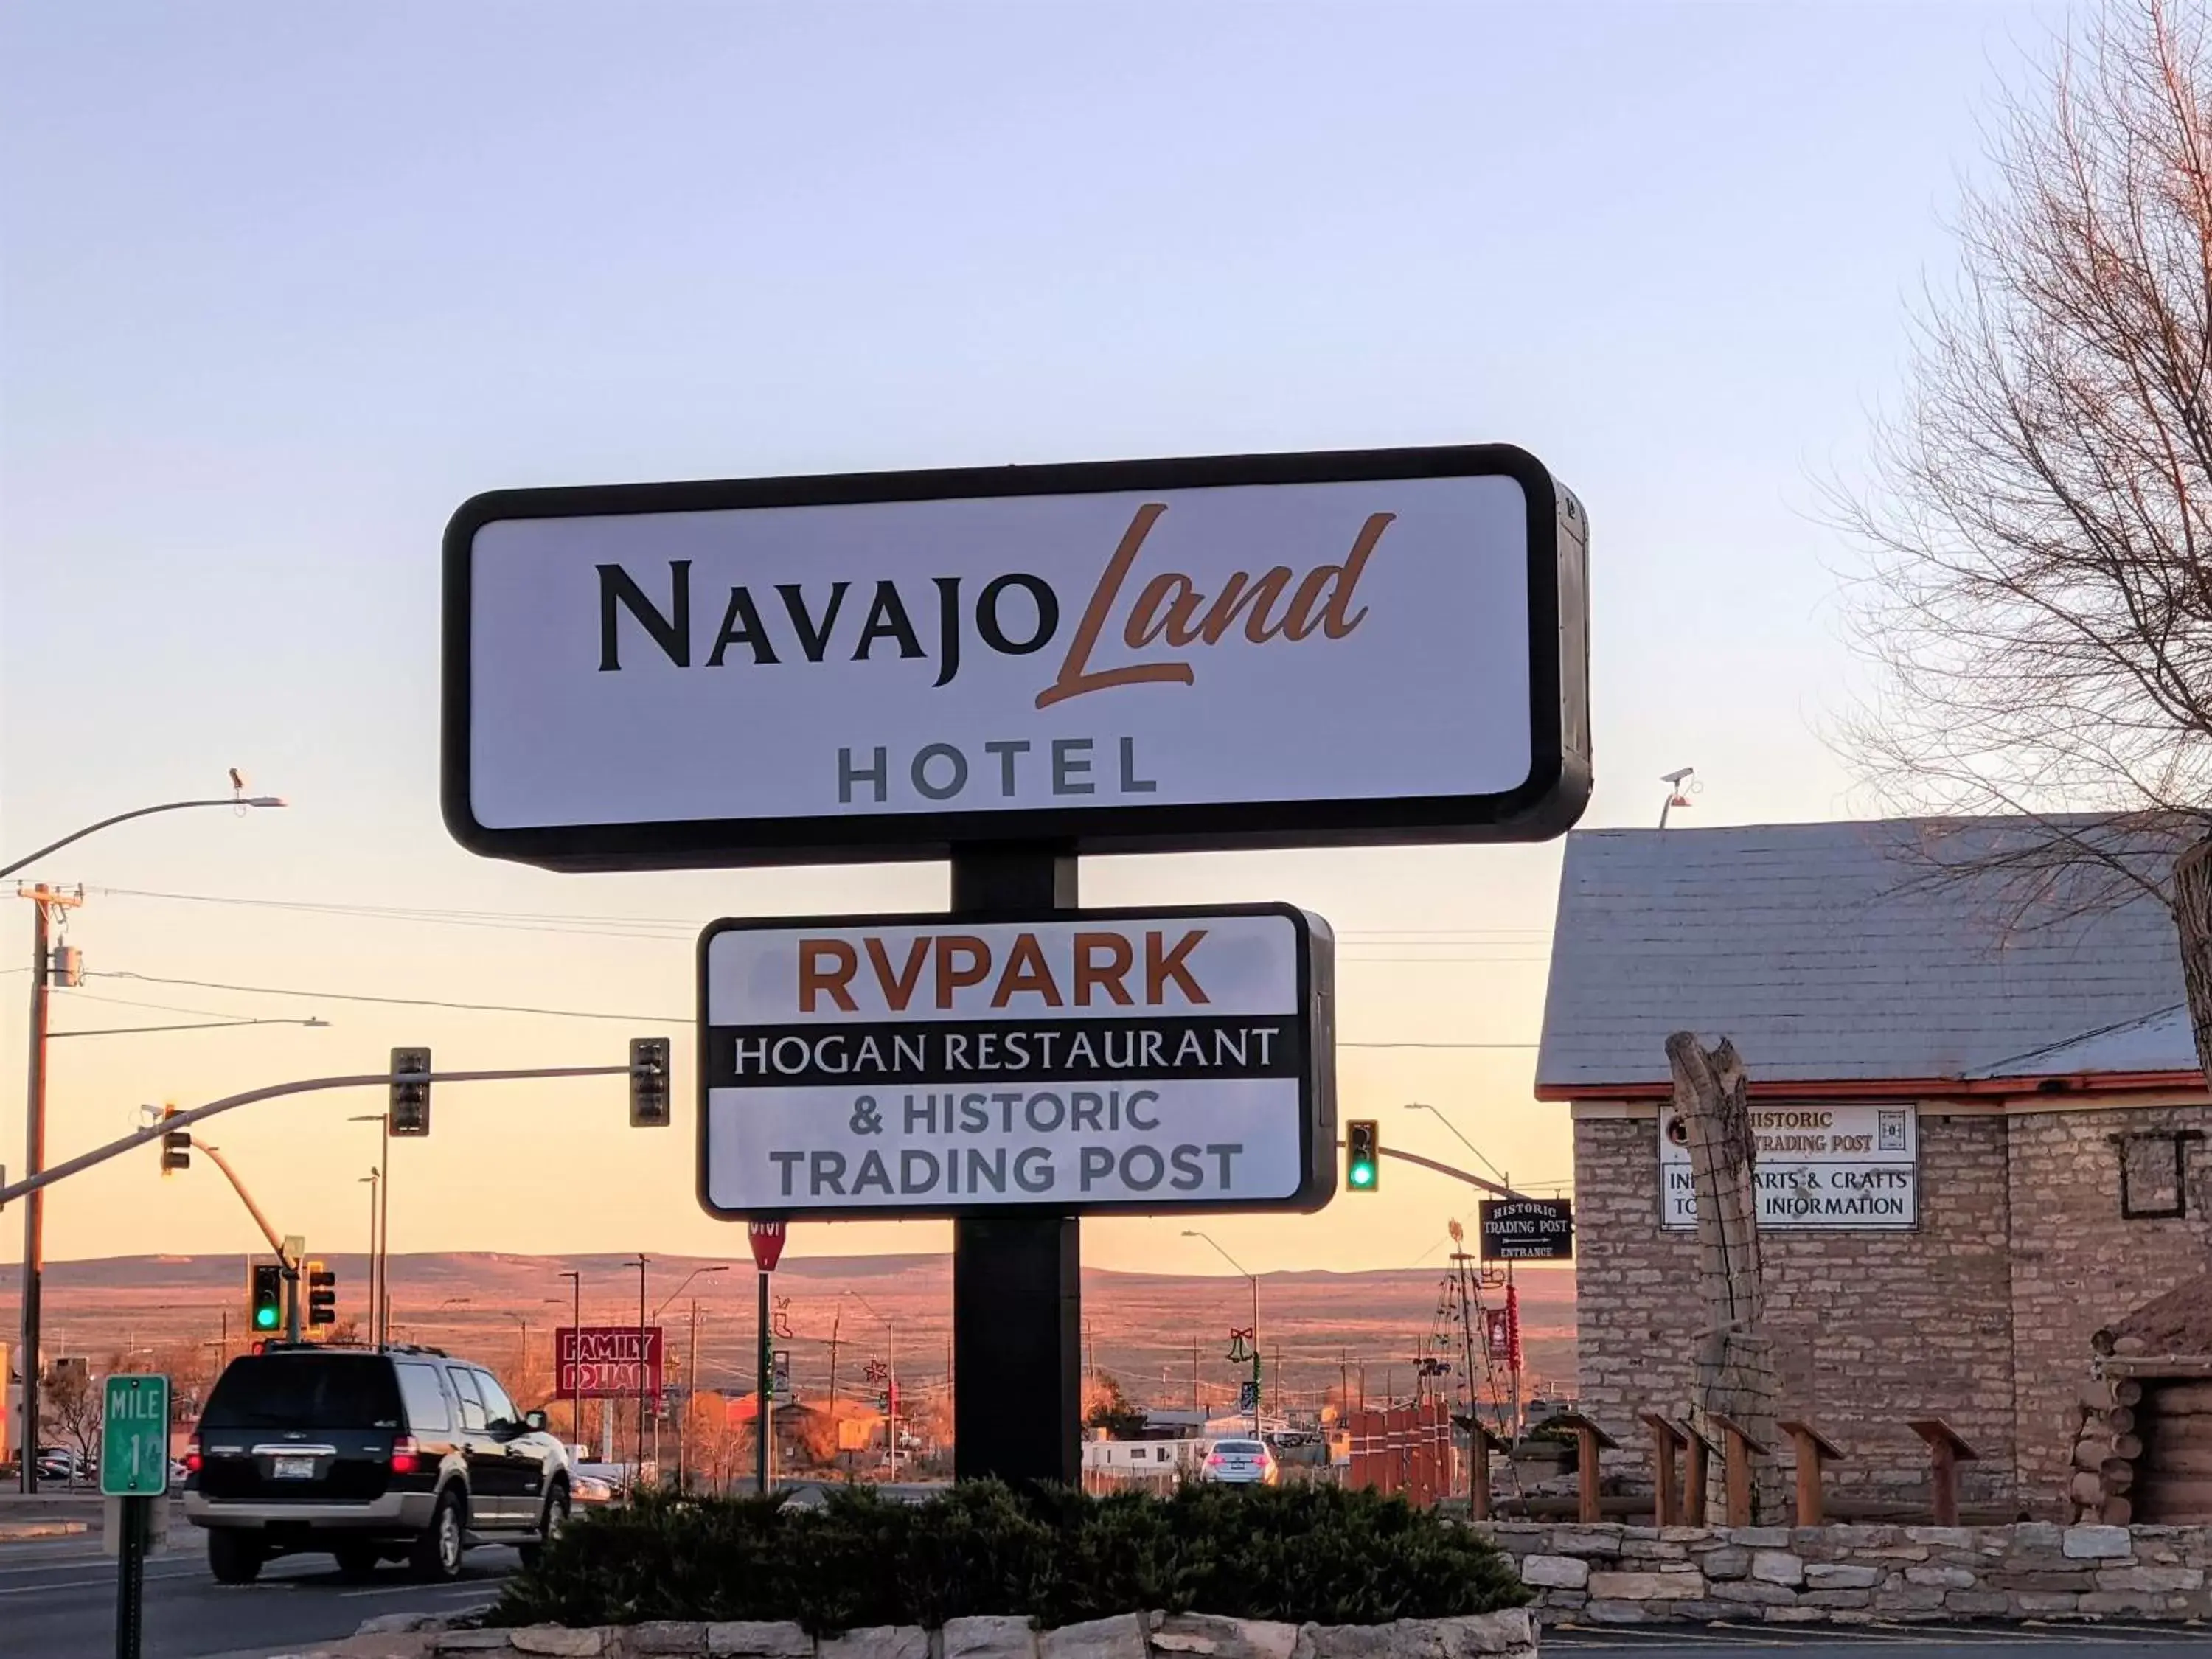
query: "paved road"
58, 1601
1890, 1641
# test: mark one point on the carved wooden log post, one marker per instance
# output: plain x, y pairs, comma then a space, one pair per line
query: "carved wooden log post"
1735, 1363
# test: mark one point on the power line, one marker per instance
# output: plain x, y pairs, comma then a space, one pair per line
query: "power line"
557, 1013
399, 1002
1487, 941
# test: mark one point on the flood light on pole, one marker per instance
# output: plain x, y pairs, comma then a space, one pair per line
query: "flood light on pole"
1362, 1147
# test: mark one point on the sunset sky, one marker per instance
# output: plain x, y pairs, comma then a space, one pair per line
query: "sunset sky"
281, 286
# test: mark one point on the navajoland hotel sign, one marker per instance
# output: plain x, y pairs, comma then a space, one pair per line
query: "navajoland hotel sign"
1106, 1059
1362, 648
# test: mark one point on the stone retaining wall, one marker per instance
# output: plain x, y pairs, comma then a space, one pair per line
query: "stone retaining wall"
1511, 1635
1616, 1574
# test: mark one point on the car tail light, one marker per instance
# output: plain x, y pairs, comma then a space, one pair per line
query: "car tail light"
1213, 1460
192, 1456
402, 1454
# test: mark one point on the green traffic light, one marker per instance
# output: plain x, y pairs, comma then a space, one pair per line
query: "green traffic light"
1363, 1175
264, 1319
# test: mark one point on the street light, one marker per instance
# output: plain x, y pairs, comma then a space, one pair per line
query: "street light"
46, 904
205, 1025
379, 1292
720, 1267
375, 1181
1674, 780
1192, 1232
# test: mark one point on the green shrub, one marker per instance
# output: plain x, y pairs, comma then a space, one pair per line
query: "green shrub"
1299, 1554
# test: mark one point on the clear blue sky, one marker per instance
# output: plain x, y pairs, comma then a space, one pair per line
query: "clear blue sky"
281, 285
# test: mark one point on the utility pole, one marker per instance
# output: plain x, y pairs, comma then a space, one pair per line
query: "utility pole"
1194, 1378
644, 1377
47, 905
690, 1394
575, 1358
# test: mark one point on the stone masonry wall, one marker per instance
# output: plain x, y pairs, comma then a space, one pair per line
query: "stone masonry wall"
1509, 1635
1869, 1328
1613, 1575
2077, 1264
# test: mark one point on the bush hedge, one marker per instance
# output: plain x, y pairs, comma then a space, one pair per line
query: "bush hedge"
1297, 1553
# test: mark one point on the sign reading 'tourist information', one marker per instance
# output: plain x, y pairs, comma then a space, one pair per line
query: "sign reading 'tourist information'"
1820, 1167
1108, 1060
1369, 646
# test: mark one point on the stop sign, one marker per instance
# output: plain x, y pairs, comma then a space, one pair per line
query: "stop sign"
767, 1240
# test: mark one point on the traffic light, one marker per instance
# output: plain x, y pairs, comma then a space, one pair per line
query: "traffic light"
411, 1092
648, 1083
1362, 1147
322, 1295
264, 1298
176, 1146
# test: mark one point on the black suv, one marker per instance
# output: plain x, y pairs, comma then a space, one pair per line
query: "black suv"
398, 1454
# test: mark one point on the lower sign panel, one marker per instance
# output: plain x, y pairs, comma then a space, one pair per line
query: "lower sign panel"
1100, 1060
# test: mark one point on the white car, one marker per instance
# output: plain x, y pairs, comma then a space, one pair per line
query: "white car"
1241, 1462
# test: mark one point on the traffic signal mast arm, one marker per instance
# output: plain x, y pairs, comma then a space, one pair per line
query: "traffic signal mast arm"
305, 1085
1441, 1169
276, 1241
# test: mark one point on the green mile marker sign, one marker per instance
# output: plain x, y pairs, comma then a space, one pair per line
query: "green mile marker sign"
134, 1437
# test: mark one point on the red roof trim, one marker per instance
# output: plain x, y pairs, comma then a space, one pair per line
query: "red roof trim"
2062, 1083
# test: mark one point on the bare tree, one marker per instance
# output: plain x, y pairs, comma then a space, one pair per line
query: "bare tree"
2039, 595
73, 1403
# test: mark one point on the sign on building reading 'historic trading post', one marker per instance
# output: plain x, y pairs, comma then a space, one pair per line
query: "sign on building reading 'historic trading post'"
1836, 1168
1115, 1059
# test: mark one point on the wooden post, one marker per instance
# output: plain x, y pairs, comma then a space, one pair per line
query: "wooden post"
1741, 1448
1946, 1452
1813, 1451
1698, 1460
1589, 1440
1480, 1443
1666, 1495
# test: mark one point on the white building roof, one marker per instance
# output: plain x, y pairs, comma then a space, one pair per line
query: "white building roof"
1851, 952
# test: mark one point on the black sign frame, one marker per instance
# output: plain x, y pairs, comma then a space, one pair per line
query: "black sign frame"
1546, 803
1317, 998
1498, 1246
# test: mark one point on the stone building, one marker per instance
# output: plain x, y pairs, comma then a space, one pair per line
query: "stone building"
1980, 1119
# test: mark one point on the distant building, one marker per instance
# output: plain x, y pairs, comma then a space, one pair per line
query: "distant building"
1980, 1121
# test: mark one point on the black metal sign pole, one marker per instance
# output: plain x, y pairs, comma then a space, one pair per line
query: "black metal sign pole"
1017, 1285
131, 1577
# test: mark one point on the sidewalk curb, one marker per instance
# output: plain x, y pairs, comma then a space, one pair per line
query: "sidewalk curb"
12, 1531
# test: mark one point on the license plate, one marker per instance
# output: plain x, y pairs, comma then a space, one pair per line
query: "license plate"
295, 1469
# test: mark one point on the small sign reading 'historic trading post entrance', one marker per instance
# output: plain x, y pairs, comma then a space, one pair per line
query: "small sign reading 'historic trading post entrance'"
1528, 1229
